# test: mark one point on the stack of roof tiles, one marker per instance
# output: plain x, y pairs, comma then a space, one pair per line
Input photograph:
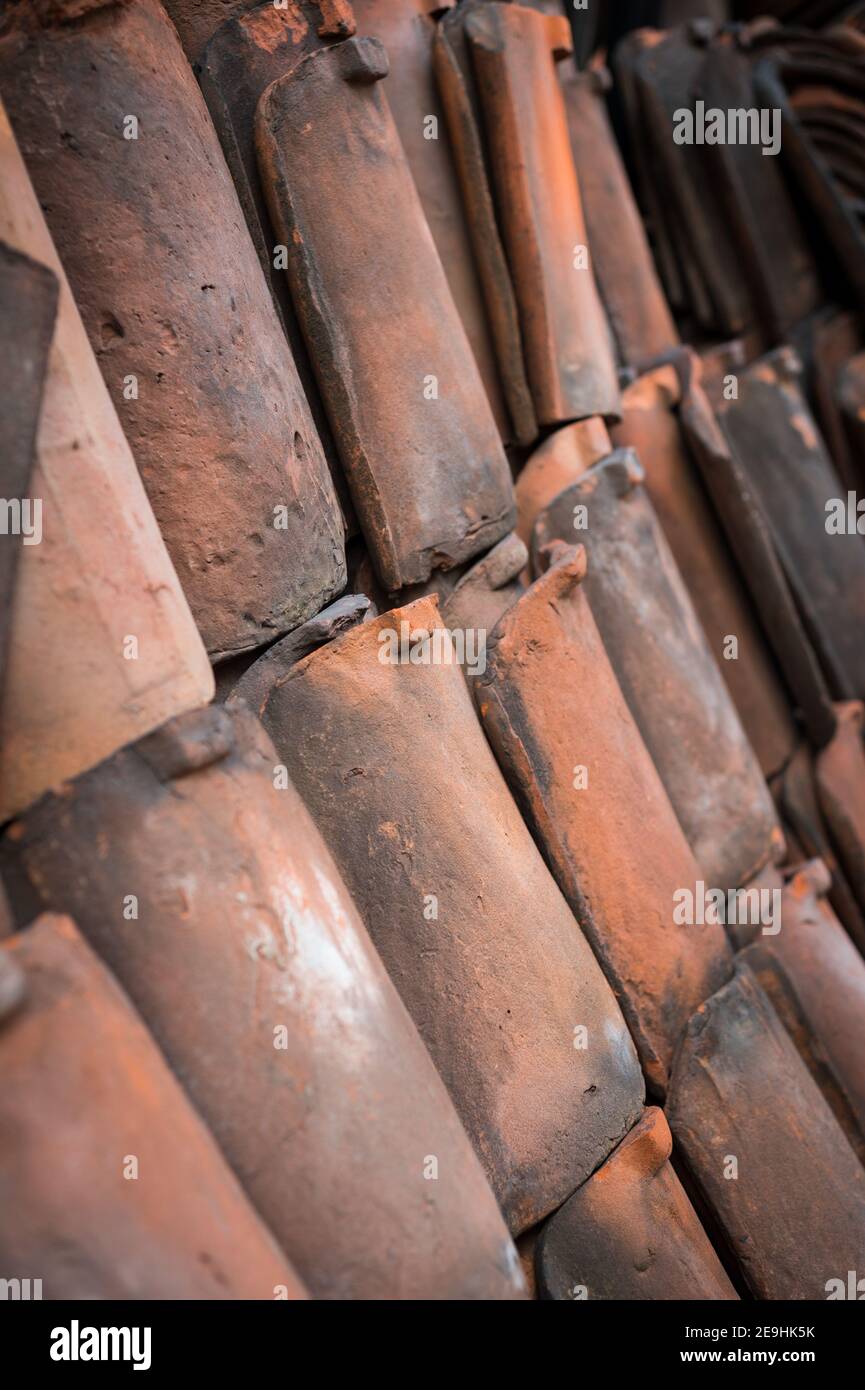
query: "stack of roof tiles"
334, 339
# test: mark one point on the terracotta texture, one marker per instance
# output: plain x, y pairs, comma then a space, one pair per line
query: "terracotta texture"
250, 965
392, 763
567, 344
837, 388
771, 429
475, 835
755, 198
407, 30
687, 215
825, 975
550, 705
486, 591
630, 1231
672, 268
800, 801
455, 78
719, 209
638, 313
718, 360
563, 457
100, 573
828, 974
196, 21
746, 241
849, 396
743, 932
153, 239
651, 425
667, 674
840, 769
257, 679
739, 1090
7, 922
780, 990
241, 59
111, 1186
428, 475
749, 531
822, 178
28, 308
472, 596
